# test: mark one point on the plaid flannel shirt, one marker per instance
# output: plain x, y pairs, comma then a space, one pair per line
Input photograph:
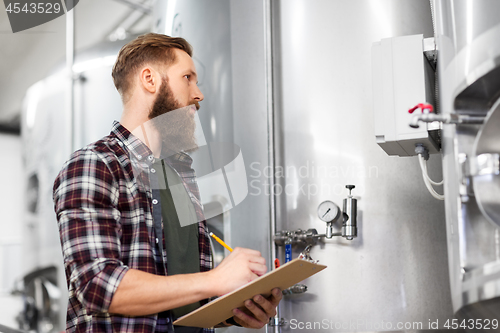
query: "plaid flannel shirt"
107, 226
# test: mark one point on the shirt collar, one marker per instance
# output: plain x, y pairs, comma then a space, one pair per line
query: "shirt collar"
138, 149
142, 152
179, 161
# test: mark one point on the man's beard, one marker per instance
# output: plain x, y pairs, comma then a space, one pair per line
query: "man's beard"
174, 123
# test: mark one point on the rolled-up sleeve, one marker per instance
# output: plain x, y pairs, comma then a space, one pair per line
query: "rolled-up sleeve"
85, 197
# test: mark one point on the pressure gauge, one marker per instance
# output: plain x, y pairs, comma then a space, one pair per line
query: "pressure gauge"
328, 211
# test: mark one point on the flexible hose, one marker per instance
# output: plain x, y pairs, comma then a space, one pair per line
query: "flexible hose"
428, 181
423, 166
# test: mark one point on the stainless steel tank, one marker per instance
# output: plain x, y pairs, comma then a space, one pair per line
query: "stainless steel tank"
468, 34
290, 83
395, 271
230, 58
45, 136
302, 115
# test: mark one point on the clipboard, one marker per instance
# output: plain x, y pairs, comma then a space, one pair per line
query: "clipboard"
221, 309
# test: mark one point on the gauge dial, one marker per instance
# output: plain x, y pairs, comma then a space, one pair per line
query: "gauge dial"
328, 211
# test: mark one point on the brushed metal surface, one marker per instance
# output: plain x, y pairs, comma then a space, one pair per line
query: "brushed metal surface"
250, 220
467, 34
487, 187
206, 26
228, 37
44, 133
395, 270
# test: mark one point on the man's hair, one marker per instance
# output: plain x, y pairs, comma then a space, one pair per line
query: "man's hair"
150, 48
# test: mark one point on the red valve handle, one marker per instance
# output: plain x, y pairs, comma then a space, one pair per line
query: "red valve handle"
422, 106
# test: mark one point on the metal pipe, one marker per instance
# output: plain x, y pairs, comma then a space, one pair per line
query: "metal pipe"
137, 6
134, 16
268, 34
330, 235
70, 60
270, 119
120, 30
295, 289
70, 96
445, 119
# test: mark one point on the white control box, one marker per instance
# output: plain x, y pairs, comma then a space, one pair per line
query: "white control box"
402, 78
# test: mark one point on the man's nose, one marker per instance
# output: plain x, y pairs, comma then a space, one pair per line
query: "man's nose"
198, 95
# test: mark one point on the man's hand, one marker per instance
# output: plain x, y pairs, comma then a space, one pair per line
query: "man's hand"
237, 269
258, 310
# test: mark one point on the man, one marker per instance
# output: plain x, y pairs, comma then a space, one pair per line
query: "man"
114, 222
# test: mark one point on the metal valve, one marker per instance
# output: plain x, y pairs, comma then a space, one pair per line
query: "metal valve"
298, 236
295, 289
350, 212
329, 212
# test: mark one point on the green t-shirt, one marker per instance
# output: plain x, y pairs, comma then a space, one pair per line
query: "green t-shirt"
183, 256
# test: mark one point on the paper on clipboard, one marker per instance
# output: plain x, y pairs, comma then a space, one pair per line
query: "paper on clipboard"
221, 309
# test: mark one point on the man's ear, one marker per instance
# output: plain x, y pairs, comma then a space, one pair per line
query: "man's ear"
149, 80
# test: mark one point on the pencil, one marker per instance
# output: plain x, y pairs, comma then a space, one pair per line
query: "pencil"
221, 242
